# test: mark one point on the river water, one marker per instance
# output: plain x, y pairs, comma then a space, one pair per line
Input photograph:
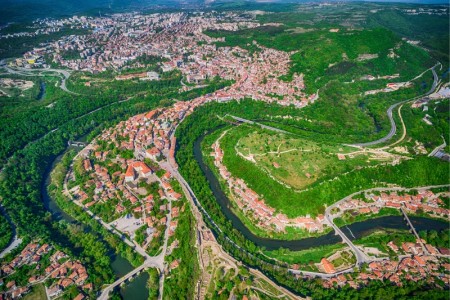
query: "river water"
41, 94
135, 290
355, 230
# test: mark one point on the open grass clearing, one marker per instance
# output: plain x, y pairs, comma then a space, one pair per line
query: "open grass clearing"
304, 257
313, 198
299, 162
37, 293
381, 237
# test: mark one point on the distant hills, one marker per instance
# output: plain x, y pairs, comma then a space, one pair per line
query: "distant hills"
27, 10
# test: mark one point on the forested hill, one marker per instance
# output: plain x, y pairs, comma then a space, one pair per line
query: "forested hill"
28, 10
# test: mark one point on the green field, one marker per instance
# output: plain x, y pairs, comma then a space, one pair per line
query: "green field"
324, 55
368, 41
266, 148
380, 238
311, 200
37, 293
305, 257
290, 233
295, 161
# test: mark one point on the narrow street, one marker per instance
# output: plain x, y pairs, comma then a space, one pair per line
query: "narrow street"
150, 261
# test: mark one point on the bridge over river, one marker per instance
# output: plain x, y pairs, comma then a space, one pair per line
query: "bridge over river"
414, 231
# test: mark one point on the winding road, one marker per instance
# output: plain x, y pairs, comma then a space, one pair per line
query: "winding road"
23, 71
242, 120
15, 241
393, 106
150, 261
199, 212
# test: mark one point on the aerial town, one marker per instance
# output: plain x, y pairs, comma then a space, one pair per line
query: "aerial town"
180, 40
425, 200
253, 205
407, 260
150, 138
43, 264
111, 175
137, 193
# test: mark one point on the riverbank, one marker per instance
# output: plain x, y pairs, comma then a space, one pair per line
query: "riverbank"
290, 233
358, 229
41, 94
348, 218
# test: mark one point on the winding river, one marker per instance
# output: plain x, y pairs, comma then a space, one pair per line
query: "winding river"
41, 94
137, 289
358, 230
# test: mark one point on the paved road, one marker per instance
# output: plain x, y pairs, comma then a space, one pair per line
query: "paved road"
158, 261
150, 261
171, 166
64, 73
438, 148
13, 245
105, 293
15, 241
391, 119
199, 212
414, 231
259, 124
361, 257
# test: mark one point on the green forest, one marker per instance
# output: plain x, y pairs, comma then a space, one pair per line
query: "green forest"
5, 232
333, 47
204, 119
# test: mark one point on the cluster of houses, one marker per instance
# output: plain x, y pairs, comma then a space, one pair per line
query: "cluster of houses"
117, 41
255, 75
35, 58
61, 270
66, 274
30, 255
107, 187
416, 261
253, 204
124, 189
120, 38
46, 27
413, 265
148, 136
425, 201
